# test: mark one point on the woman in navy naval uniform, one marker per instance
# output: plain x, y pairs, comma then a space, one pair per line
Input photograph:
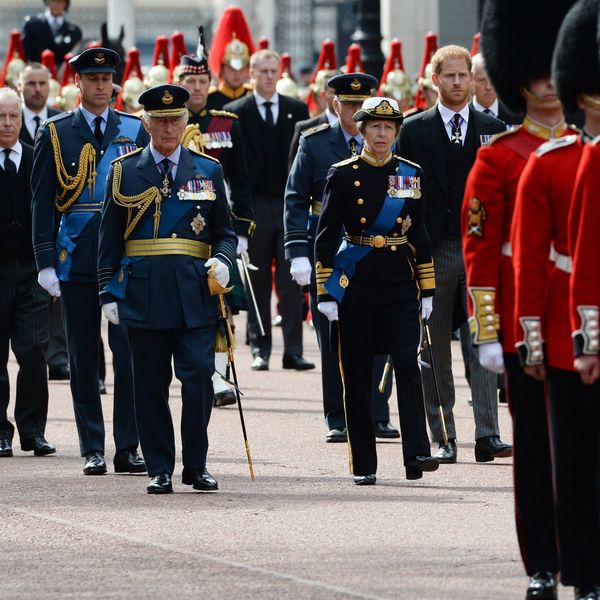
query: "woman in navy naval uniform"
374, 284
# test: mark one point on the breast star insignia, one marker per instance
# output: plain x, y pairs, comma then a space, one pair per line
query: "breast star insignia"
198, 224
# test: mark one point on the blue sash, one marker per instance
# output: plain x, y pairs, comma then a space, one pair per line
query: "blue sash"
349, 255
83, 209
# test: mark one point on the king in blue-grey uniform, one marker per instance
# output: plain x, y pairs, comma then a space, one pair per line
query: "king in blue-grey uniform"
166, 221
320, 147
72, 156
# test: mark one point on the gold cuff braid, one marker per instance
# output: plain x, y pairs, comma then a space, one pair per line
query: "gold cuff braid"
484, 323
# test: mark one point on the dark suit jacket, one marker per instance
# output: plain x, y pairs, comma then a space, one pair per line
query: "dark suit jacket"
420, 141
24, 133
301, 126
290, 112
37, 36
506, 116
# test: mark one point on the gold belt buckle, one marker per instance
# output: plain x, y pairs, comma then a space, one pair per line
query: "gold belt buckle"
378, 241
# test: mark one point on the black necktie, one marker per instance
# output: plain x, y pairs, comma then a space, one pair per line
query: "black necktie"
9, 166
37, 120
269, 115
353, 145
487, 111
98, 130
165, 167
456, 132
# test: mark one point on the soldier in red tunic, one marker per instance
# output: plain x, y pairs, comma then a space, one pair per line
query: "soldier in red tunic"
520, 72
542, 326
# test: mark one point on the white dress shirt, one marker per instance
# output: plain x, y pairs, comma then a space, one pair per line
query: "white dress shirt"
174, 158
29, 119
358, 137
447, 115
15, 155
260, 103
55, 22
493, 108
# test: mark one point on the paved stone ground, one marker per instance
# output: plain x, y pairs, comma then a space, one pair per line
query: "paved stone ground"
301, 530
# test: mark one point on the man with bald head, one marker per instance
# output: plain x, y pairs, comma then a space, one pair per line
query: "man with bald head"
24, 305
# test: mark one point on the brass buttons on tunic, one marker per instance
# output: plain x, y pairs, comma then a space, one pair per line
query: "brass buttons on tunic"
360, 201
363, 220
399, 220
357, 183
355, 166
395, 234
393, 248
173, 235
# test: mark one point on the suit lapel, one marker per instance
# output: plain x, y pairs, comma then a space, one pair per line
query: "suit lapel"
254, 123
430, 130
85, 132
186, 169
338, 143
286, 117
148, 169
112, 128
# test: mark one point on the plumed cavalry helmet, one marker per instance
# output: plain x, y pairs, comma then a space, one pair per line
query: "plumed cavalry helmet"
394, 81
517, 40
575, 63
158, 73
13, 63
286, 85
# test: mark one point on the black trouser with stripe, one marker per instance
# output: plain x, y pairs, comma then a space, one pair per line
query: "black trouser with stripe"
24, 313
574, 410
534, 494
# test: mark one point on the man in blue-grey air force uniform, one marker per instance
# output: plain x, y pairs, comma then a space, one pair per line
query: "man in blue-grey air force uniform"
165, 222
72, 156
319, 148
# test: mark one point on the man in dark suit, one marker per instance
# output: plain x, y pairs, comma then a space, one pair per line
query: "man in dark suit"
444, 141
267, 120
24, 305
34, 86
166, 259
485, 99
50, 31
71, 159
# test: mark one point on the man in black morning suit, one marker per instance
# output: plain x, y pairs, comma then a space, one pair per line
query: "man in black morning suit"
24, 305
66, 217
50, 31
444, 141
267, 120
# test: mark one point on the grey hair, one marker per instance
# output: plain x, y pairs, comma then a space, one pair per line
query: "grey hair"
6, 92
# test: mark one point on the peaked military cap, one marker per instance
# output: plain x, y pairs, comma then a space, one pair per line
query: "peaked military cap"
352, 86
379, 108
96, 60
165, 101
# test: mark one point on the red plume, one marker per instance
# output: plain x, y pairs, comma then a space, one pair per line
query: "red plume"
161, 51
475, 46
326, 62
286, 65
394, 61
354, 63
177, 51
263, 43
49, 61
15, 50
430, 50
68, 74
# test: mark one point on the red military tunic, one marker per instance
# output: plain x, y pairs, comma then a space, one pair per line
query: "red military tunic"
540, 222
584, 247
487, 213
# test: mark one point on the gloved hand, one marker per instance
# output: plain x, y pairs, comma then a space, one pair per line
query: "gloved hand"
221, 271
426, 307
49, 281
242, 244
491, 357
300, 270
111, 312
329, 309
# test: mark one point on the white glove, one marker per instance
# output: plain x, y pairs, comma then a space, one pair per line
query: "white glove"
329, 309
111, 312
426, 307
300, 270
242, 244
491, 357
49, 281
221, 271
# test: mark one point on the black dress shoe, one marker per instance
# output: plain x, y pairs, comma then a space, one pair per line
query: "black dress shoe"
542, 586
39, 445
160, 484
129, 461
386, 430
491, 447
415, 466
336, 436
297, 362
59, 373
200, 480
5, 448
446, 453
94, 464
587, 592
260, 364
365, 479
101, 386
224, 398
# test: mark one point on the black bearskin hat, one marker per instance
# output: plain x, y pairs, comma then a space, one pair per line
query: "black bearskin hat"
575, 64
517, 40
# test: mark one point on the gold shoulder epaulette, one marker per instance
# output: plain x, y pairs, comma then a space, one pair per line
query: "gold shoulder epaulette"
409, 162
348, 161
119, 158
315, 129
249, 87
503, 134
197, 152
222, 113
212, 89
555, 144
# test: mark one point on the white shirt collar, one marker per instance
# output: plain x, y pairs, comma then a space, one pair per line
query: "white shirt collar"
28, 114
89, 117
358, 137
274, 99
54, 20
16, 149
447, 114
331, 116
493, 107
157, 156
